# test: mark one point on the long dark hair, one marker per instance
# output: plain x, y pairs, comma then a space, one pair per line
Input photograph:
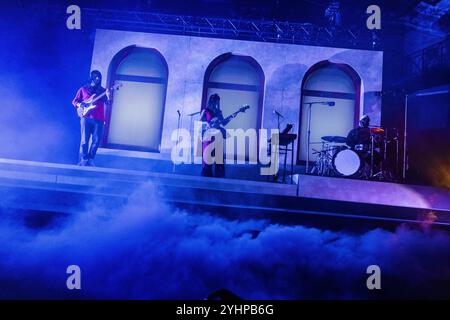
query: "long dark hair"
214, 100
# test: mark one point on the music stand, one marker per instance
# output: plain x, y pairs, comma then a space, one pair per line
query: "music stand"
286, 144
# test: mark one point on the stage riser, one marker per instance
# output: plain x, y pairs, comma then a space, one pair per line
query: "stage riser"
242, 205
233, 171
229, 205
71, 189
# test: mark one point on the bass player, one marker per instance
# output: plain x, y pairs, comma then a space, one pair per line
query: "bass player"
92, 122
212, 115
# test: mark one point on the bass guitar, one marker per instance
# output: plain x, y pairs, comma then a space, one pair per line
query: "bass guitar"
89, 104
216, 123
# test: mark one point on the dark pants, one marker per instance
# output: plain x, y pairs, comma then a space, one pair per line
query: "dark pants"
207, 169
90, 128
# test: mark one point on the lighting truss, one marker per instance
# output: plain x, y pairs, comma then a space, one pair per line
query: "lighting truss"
244, 29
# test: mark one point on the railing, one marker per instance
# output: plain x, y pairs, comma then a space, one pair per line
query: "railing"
434, 57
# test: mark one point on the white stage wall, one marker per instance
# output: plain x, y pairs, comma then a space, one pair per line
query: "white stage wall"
284, 67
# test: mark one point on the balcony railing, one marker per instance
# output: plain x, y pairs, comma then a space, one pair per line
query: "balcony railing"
432, 58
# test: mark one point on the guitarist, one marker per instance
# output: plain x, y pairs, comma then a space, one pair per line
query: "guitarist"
93, 122
209, 114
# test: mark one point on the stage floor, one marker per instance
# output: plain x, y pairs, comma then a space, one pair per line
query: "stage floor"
65, 188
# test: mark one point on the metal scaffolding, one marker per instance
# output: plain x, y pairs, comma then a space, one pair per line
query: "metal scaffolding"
244, 29
256, 30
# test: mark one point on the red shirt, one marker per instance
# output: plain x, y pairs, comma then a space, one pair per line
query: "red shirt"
208, 115
83, 94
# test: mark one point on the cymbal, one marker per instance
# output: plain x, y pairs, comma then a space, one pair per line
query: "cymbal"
336, 139
376, 130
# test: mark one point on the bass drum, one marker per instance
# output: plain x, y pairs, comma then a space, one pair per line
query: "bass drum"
346, 163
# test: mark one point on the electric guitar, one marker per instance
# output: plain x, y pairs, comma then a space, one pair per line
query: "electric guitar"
90, 103
216, 123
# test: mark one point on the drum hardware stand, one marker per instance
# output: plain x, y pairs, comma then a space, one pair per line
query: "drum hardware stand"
371, 155
380, 175
318, 164
310, 104
384, 174
322, 164
395, 175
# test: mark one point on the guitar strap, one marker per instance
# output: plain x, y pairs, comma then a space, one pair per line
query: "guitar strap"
97, 90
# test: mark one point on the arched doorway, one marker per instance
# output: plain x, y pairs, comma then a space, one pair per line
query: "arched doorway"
238, 80
328, 82
135, 119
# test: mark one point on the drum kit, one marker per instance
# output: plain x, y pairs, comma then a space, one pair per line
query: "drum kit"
377, 160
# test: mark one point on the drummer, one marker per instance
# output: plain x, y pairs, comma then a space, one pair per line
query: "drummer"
360, 135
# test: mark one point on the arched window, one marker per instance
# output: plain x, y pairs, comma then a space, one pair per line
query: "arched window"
135, 118
328, 82
238, 80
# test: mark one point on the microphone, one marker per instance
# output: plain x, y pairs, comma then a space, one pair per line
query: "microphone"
179, 113
277, 113
327, 103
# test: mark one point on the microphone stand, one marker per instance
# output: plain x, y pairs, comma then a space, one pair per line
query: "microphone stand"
191, 130
178, 136
309, 129
308, 135
278, 120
